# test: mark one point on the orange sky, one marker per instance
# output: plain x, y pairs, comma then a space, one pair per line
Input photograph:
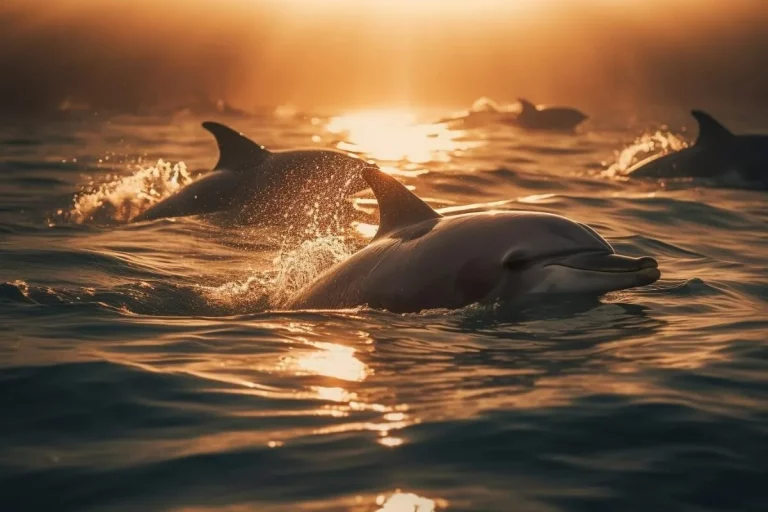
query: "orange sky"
382, 52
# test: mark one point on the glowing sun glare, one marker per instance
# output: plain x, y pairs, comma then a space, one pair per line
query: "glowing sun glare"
394, 135
406, 502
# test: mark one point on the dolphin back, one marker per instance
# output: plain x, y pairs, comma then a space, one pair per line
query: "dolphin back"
549, 118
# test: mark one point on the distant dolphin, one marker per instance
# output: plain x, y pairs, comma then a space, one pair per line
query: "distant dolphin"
717, 153
256, 182
420, 260
548, 118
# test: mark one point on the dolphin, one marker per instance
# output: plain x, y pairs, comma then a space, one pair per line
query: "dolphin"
548, 118
716, 153
421, 260
258, 183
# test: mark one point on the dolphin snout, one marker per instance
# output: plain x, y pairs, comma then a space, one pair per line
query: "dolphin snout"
640, 271
607, 262
647, 262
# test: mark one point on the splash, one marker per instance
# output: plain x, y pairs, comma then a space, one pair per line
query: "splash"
294, 267
120, 198
485, 104
649, 145
297, 267
313, 242
270, 284
249, 294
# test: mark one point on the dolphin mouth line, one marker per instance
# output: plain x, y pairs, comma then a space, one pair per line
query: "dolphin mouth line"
600, 271
608, 263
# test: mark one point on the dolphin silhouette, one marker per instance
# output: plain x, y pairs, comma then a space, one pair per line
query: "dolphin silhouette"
258, 184
548, 118
716, 153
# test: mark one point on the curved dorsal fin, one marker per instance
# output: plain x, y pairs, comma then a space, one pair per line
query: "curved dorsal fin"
526, 105
236, 151
710, 129
398, 206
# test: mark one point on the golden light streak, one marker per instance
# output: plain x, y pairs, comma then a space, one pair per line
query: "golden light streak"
396, 136
332, 360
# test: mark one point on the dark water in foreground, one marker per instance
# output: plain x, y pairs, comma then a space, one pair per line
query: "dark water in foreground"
148, 367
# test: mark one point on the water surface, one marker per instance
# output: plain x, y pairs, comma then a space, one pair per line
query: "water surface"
149, 366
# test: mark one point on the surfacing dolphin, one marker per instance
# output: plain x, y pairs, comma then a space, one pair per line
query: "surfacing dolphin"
421, 260
258, 184
716, 154
548, 118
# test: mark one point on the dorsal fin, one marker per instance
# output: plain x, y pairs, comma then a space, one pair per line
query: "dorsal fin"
710, 129
236, 151
398, 206
526, 105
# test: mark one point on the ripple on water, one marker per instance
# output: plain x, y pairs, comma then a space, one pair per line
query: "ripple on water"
145, 367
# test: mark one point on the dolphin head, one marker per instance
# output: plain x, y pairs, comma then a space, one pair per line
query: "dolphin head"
546, 254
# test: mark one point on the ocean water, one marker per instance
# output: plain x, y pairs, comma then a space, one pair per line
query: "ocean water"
149, 366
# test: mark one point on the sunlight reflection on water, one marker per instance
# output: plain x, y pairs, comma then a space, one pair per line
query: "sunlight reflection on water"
332, 360
407, 502
167, 324
395, 135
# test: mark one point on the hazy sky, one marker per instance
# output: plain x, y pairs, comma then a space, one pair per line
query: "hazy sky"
354, 53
